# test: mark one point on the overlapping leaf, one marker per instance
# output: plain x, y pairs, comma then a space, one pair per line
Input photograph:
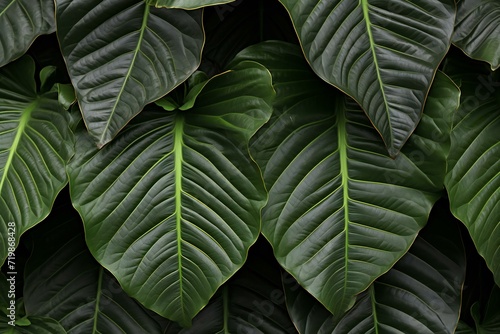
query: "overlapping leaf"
64, 282
35, 145
173, 204
34, 325
420, 294
21, 21
252, 301
340, 211
186, 4
382, 53
123, 54
473, 180
477, 30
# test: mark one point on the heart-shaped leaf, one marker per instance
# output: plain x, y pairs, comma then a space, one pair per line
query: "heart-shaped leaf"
36, 143
384, 54
21, 21
173, 204
477, 29
340, 211
473, 180
420, 294
123, 54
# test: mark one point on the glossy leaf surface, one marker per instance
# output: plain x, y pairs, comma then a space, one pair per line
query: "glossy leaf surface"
420, 294
477, 29
186, 4
21, 21
473, 180
173, 204
124, 54
384, 54
35, 145
340, 211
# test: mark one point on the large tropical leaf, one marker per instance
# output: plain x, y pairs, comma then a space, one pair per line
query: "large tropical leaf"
173, 204
21, 21
384, 54
64, 282
252, 301
473, 180
477, 30
123, 54
420, 294
186, 4
340, 211
35, 145
487, 320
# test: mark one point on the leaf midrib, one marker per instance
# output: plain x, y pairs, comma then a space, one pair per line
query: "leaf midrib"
129, 72
342, 135
368, 23
178, 159
23, 123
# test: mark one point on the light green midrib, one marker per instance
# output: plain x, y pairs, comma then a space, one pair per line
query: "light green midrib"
178, 142
97, 300
366, 16
129, 72
345, 178
23, 123
374, 309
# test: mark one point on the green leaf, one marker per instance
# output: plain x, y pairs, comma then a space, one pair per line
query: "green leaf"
36, 143
420, 294
124, 54
340, 211
487, 318
473, 180
38, 325
186, 4
463, 328
384, 54
252, 301
477, 29
21, 21
173, 204
64, 282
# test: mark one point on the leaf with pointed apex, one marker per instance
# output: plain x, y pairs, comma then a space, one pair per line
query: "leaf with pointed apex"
252, 301
340, 211
420, 294
124, 54
173, 204
186, 4
35, 145
384, 54
64, 282
477, 29
21, 21
473, 180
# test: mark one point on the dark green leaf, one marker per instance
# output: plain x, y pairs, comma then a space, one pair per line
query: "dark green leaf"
477, 30
340, 211
420, 294
124, 54
173, 204
35, 145
384, 54
473, 180
186, 4
21, 21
